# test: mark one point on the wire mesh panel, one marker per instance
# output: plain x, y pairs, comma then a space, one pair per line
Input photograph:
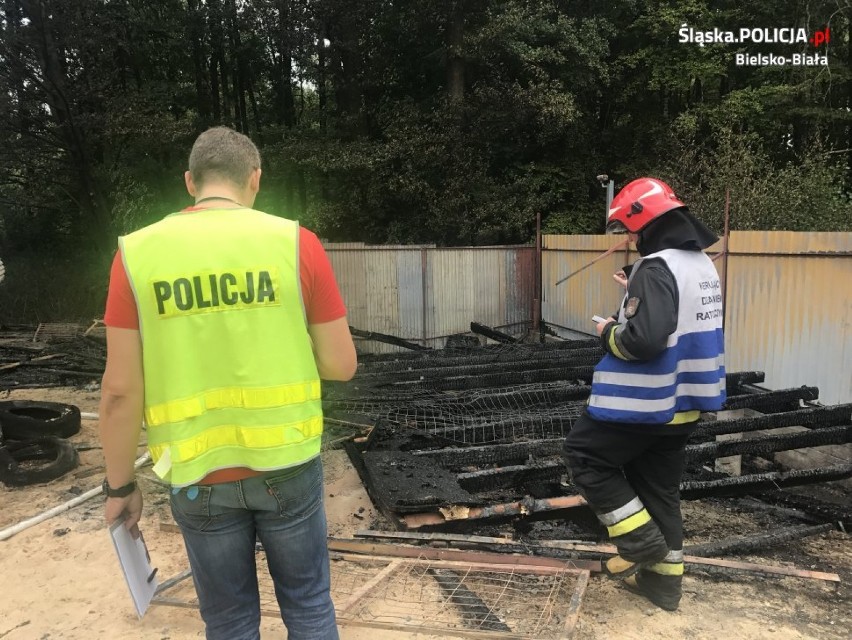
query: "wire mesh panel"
440, 597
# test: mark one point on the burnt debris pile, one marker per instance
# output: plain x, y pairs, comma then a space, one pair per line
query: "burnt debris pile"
470, 436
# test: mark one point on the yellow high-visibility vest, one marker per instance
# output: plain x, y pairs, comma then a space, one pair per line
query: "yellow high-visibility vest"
230, 376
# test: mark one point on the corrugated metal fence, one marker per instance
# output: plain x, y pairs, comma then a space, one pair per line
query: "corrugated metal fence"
424, 294
788, 311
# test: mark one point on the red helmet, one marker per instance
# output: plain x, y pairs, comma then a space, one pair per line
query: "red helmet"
640, 202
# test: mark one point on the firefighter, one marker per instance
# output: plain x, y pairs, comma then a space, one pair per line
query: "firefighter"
664, 364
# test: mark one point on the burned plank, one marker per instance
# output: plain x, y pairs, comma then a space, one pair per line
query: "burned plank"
745, 544
813, 417
769, 444
493, 334
743, 485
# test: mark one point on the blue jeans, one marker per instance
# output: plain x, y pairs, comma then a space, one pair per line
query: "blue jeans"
220, 524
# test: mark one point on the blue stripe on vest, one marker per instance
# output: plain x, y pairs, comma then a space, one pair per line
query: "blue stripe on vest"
709, 378
691, 346
703, 344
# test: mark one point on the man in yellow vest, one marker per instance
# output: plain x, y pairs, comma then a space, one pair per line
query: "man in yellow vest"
221, 320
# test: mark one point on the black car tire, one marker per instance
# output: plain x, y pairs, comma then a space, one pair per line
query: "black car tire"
27, 419
59, 455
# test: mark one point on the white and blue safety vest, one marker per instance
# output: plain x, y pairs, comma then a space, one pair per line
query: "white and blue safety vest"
689, 374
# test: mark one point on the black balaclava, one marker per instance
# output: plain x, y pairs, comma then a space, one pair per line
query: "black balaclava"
675, 229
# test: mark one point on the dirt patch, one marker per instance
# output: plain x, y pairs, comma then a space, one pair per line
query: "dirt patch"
61, 578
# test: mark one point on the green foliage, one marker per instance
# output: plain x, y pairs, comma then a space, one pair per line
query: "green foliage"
424, 121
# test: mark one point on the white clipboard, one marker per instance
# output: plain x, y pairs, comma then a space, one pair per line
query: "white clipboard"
135, 563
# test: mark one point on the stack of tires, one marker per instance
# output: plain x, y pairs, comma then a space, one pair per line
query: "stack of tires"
33, 445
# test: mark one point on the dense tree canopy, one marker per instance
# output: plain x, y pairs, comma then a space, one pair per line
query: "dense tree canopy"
445, 121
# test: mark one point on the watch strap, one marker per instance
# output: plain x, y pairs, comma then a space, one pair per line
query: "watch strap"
120, 492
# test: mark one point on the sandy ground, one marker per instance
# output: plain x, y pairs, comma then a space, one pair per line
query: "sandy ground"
60, 579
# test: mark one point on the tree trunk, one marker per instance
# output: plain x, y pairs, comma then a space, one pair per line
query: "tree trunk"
91, 199
195, 34
455, 50
285, 105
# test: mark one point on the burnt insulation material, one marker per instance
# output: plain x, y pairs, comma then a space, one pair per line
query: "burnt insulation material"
407, 484
769, 444
746, 544
813, 417
745, 485
780, 400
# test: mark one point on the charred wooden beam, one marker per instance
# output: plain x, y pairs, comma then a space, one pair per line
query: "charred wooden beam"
493, 334
745, 544
813, 417
457, 457
769, 444
511, 476
471, 369
744, 485
784, 399
388, 339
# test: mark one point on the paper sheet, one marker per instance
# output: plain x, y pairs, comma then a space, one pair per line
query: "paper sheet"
136, 564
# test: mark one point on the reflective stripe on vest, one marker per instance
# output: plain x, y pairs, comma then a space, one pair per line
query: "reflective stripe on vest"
230, 377
689, 375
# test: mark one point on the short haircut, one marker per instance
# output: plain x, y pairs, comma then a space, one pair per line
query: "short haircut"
221, 153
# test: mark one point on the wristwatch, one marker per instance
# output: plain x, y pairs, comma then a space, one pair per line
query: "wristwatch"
121, 492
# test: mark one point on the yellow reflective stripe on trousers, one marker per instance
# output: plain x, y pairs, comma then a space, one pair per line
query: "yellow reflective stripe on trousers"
629, 524
232, 398
239, 436
667, 568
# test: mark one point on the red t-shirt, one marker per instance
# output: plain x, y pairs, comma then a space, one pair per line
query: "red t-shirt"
320, 293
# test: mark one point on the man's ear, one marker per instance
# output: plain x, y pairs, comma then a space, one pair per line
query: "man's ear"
254, 180
190, 185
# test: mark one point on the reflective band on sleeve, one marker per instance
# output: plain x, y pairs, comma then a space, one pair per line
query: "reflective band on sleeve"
612, 345
232, 398
617, 515
629, 524
667, 568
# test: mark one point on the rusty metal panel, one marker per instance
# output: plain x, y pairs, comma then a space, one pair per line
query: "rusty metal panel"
789, 309
591, 292
788, 301
426, 294
410, 294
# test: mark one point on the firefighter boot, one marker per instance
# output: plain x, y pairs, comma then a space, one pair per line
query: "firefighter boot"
637, 538
661, 582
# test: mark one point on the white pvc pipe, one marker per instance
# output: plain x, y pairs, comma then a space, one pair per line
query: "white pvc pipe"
8, 532
89, 416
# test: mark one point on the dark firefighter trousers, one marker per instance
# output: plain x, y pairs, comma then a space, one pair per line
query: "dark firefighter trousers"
630, 476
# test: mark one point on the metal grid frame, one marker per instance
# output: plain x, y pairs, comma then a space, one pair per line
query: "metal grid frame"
442, 597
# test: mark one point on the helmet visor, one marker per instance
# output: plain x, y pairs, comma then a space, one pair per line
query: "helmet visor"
615, 227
